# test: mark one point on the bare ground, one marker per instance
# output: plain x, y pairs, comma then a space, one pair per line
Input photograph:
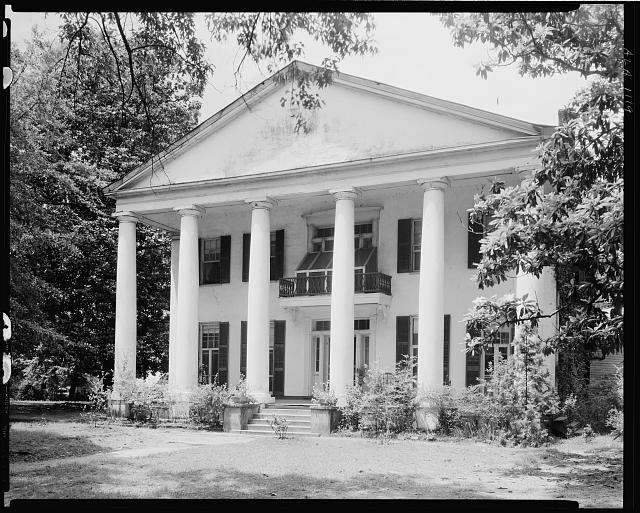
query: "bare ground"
59, 457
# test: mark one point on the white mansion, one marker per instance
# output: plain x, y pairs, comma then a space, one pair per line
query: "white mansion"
299, 258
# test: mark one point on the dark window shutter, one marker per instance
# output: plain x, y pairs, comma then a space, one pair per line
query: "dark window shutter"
474, 234
200, 261
246, 245
225, 259
403, 323
404, 245
223, 353
447, 336
277, 267
243, 348
279, 331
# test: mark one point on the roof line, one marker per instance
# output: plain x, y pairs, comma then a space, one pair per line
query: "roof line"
238, 106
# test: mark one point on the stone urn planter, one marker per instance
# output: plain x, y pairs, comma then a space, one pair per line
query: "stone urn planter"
324, 418
238, 414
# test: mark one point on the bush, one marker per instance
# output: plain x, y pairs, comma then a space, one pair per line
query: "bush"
240, 394
350, 412
206, 404
323, 395
595, 406
385, 404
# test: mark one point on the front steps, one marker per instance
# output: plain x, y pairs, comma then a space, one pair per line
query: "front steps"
298, 419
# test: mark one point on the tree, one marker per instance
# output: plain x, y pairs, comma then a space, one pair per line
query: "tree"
569, 212
169, 41
114, 91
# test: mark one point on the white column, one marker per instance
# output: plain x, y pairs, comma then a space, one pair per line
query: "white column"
186, 352
542, 289
342, 309
125, 329
258, 302
173, 310
431, 288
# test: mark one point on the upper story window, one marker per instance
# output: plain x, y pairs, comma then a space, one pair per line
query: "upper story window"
323, 239
215, 260
276, 255
363, 235
409, 244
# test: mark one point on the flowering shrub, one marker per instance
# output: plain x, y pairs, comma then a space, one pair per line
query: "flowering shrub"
350, 412
385, 403
280, 427
323, 395
206, 404
240, 394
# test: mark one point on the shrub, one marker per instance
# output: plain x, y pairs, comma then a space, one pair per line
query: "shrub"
387, 403
206, 404
444, 399
240, 394
98, 399
280, 427
350, 412
323, 395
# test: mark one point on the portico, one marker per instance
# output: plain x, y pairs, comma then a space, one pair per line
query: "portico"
356, 223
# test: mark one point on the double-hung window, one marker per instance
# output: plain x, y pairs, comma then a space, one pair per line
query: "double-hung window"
214, 350
215, 260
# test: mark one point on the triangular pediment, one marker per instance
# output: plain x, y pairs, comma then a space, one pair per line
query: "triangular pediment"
359, 120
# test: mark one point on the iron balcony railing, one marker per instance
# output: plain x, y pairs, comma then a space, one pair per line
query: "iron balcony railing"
318, 285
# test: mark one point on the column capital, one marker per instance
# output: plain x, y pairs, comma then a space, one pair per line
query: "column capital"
263, 202
433, 183
344, 193
125, 216
189, 210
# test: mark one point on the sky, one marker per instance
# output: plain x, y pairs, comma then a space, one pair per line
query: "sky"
415, 52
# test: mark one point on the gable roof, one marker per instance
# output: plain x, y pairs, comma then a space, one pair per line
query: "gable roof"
266, 87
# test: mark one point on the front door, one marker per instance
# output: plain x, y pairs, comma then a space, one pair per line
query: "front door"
320, 345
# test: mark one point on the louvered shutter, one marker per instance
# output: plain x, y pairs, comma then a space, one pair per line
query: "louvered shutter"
223, 354
404, 246
246, 246
225, 259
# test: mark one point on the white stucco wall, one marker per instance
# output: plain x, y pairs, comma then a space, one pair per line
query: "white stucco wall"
228, 302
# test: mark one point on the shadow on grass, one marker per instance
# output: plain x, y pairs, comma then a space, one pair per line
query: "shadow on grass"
578, 474
41, 444
110, 481
223, 483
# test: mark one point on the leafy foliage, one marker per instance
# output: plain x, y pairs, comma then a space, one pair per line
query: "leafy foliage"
569, 212
207, 404
324, 395
385, 403
280, 426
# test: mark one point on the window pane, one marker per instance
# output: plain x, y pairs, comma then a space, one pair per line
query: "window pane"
417, 231
205, 363
367, 242
416, 260
328, 245
318, 354
317, 247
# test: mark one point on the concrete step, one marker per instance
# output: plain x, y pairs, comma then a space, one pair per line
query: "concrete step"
266, 427
291, 423
271, 433
293, 416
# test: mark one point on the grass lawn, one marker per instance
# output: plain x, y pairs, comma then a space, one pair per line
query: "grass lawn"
56, 456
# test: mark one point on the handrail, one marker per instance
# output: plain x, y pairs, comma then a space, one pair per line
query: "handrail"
319, 285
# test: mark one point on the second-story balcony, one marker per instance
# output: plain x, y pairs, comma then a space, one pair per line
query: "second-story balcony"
374, 282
